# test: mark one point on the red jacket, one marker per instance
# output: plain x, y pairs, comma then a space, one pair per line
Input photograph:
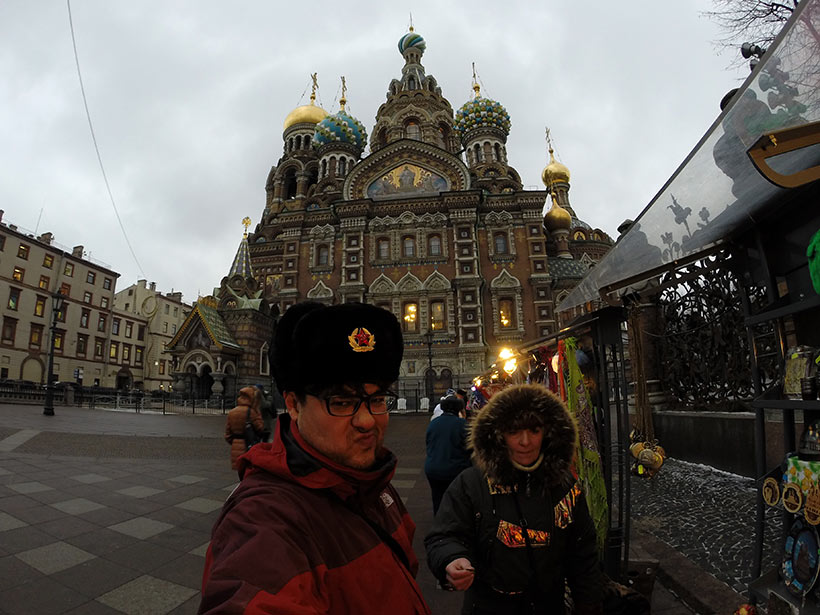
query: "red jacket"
289, 539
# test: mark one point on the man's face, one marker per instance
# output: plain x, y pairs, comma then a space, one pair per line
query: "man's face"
351, 441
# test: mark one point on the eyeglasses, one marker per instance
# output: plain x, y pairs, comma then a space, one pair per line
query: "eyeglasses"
381, 402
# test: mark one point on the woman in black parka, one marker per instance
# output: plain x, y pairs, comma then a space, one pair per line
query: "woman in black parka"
514, 529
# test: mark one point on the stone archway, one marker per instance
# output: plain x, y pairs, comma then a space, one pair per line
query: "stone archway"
32, 370
124, 379
205, 382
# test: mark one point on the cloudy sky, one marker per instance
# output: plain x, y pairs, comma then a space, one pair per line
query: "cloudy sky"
187, 101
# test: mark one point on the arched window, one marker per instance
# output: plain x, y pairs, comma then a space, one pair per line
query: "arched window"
322, 255
579, 236
477, 153
506, 319
307, 142
342, 166
412, 130
383, 245
264, 362
437, 315
298, 141
500, 242
434, 245
411, 84
410, 317
382, 137
290, 144
290, 183
408, 246
324, 168
498, 153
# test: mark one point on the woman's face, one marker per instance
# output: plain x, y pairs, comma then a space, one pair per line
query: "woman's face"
524, 445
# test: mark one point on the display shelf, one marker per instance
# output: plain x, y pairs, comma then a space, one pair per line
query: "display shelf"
770, 584
773, 399
779, 310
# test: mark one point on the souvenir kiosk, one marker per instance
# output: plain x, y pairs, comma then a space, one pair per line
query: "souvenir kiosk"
749, 193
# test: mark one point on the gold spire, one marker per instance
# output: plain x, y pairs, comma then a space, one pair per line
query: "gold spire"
313, 88
554, 172
343, 100
307, 114
246, 222
476, 87
411, 22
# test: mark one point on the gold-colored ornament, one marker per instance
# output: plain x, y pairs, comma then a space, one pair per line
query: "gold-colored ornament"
771, 491
651, 459
812, 510
361, 340
792, 497
636, 449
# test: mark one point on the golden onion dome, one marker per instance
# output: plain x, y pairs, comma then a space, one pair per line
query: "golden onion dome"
557, 218
306, 114
554, 172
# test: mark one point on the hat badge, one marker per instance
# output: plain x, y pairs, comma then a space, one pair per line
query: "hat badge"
361, 340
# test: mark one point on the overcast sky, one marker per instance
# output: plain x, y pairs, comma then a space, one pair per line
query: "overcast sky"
187, 101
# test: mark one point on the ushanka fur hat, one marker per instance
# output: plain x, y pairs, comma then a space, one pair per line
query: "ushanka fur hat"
521, 407
317, 346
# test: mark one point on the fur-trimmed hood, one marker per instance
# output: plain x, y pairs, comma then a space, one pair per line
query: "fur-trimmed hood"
518, 407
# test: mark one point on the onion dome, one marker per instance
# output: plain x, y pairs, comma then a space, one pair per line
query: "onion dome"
306, 114
481, 112
341, 127
554, 172
557, 218
412, 40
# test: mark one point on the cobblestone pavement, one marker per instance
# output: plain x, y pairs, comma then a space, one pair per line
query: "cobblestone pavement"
707, 515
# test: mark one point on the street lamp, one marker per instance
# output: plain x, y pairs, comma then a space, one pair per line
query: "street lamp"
57, 302
428, 338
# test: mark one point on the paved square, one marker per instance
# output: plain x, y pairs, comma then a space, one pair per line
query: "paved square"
140, 491
201, 505
147, 595
90, 479
403, 484
201, 550
55, 557
8, 522
187, 479
33, 487
77, 506
141, 527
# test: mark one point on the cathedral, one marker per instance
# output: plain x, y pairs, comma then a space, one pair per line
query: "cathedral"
426, 218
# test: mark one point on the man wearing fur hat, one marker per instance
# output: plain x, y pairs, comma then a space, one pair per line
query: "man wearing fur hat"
514, 529
315, 525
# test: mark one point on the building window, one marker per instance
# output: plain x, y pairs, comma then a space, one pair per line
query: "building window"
48, 261
434, 245
141, 332
469, 298
58, 343
412, 130
264, 361
352, 275
165, 327
22, 252
40, 306
115, 326
410, 317
466, 268
322, 255
579, 236
464, 232
65, 289
86, 314
82, 344
408, 247
14, 298
176, 311
9, 330
544, 312
87, 296
91, 277
35, 338
353, 241
126, 353
129, 328
44, 281
104, 303
162, 367
2, 247
62, 313
113, 351
536, 246
173, 329
107, 283
69, 269
101, 323
137, 356
505, 313
500, 242
470, 335
538, 265
542, 292
18, 274
535, 231
99, 344
437, 315
383, 249
352, 258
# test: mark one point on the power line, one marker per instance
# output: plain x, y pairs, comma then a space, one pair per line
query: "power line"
94, 139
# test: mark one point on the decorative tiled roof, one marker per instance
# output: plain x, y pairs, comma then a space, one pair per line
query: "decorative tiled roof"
567, 268
215, 326
242, 261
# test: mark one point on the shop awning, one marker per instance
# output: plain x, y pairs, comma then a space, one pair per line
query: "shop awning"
717, 192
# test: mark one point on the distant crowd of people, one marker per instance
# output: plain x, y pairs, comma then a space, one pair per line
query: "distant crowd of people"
315, 525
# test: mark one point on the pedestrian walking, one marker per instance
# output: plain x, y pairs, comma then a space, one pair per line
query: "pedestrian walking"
447, 453
514, 531
246, 412
315, 525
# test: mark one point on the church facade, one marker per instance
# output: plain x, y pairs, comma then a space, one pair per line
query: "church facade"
426, 219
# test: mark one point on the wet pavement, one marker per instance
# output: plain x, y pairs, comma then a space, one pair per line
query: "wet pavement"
111, 512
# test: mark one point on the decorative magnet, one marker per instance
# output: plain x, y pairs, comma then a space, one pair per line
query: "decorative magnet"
792, 497
771, 491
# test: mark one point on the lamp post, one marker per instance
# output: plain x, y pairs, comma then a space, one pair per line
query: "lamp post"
56, 306
428, 338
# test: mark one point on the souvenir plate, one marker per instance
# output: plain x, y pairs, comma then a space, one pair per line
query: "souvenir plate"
800, 559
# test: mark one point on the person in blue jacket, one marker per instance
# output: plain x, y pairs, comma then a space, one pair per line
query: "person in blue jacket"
447, 452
